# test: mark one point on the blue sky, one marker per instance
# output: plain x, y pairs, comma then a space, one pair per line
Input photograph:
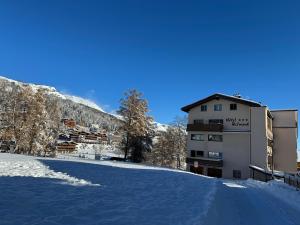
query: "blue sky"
175, 52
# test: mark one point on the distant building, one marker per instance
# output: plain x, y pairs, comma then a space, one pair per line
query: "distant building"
227, 134
69, 123
66, 147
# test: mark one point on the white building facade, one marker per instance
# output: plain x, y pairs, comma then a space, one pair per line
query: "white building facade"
227, 134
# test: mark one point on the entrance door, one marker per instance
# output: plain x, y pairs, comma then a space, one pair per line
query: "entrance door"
198, 170
214, 172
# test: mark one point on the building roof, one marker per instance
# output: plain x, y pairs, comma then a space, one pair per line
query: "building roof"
221, 96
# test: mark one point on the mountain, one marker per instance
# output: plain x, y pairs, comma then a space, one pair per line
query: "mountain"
85, 112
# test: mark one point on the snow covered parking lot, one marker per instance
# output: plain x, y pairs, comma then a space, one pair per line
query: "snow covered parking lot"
43, 191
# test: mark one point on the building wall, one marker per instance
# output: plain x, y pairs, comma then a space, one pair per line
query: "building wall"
233, 120
259, 141
236, 148
250, 137
236, 136
285, 130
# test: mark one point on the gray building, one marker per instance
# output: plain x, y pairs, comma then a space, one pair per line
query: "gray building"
227, 134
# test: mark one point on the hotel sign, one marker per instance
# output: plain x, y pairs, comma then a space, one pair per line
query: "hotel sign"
238, 122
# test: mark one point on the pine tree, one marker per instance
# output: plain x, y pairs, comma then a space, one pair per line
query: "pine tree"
137, 125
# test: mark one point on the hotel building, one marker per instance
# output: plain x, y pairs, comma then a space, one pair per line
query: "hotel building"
228, 134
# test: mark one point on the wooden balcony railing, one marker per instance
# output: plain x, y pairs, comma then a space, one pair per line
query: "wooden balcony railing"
205, 161
216, 127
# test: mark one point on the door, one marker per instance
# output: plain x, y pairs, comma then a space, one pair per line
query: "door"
214, 172
198, 170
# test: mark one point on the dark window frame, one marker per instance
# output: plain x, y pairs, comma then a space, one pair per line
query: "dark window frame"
233, 107
197, 139
203, 108
215, 157
193, 153
216, 121
198, 121
211, 139
218, 107
201, 153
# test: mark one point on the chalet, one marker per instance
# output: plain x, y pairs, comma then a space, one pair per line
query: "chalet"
66, 147
70, 123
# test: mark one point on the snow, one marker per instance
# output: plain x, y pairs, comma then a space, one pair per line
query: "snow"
131, 194
22, 166
53, 91
253, 202
83, 101
160, 127
280, 190
88, 151
233, 185
33, 191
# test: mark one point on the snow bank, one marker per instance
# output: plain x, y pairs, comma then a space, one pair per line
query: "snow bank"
278, 189
26, 166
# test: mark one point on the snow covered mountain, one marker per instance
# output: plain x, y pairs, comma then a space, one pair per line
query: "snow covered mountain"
84, 111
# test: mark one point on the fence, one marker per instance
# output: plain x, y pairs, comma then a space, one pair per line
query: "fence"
292, 180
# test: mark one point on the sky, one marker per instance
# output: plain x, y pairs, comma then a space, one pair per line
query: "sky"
174, 52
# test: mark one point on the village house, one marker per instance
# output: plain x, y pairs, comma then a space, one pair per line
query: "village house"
229, 135
69, 123
66, 147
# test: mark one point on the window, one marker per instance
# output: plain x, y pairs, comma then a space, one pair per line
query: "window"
198, 121
215, 137
237, 174
197, 137
233, 106
218, 107
193, 153
200, 153
203, 108
215, 155
216, 121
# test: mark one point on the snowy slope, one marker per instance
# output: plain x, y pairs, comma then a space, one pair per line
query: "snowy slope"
53, 91
134, 194
26, 166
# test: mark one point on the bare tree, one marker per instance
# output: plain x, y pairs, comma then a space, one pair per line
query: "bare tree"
137, 123
170, 146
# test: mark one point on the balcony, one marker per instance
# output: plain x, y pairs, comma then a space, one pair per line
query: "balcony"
215, 127
205, 161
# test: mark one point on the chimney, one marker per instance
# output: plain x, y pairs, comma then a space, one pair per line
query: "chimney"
237, 95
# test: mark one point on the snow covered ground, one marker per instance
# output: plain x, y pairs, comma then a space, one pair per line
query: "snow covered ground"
26, 166
71, 191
